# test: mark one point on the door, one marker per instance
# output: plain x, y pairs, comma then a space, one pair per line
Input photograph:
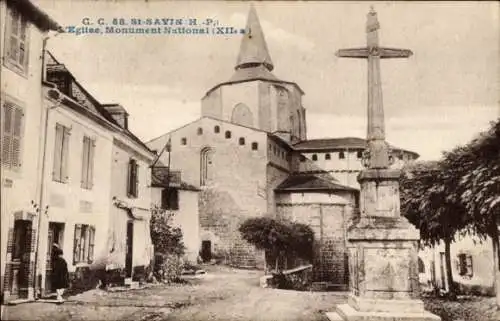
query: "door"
55, 235
128, 254
206, 251
21, 258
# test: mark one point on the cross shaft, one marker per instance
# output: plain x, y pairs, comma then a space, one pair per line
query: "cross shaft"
378, 151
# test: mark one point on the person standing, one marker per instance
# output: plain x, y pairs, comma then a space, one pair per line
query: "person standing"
60, 275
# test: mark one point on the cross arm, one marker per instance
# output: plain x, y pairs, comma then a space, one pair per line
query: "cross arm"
386, 53
353, 53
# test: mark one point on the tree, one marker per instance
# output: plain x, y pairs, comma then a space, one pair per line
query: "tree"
278, 238
425, 187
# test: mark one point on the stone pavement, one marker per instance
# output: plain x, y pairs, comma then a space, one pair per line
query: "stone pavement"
222, 294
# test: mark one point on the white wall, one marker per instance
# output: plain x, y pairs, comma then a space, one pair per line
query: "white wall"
65, 200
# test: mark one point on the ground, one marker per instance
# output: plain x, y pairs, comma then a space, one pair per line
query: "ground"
223, 294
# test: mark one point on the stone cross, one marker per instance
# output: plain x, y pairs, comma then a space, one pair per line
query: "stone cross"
378, 150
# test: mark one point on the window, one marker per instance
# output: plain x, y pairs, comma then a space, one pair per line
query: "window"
12, 130
206, 165
61, 154
183, 141
170, 199
328, 156
241, 141
216, 129
359, 154
255, 146
16, 40
341, 155
314, 157
400, 156
88, 162
465, 265
83, 244
228, 134
302, 158
132, 182
200, 131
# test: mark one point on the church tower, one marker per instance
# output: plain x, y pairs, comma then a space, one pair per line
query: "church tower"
254, 97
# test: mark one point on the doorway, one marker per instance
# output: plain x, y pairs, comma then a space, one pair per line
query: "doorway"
128, 253
206, 251
21, 258
54, 235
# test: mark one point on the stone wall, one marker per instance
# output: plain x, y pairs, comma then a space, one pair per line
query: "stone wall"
328, 216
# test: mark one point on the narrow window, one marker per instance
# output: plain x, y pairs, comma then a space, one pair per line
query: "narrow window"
341, 155
12, 120
88, 162
228, 134
200, 131
132, 182
328, 156
241, 141
314, 157
216, 129
61, 154
255, 146
205, 165
183, 141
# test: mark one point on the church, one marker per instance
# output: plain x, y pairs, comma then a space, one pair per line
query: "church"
248, 155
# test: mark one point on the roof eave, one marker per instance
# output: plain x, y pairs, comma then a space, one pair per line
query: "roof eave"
38, 17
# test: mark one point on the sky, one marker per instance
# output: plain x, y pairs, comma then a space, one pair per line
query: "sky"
443, 95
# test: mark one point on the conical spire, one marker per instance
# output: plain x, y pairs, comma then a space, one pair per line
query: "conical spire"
253, 48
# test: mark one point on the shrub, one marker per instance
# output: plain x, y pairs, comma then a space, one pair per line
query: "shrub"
279, 239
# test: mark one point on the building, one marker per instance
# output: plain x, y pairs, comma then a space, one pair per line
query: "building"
96, 185
472, 265
23, 33
249, 155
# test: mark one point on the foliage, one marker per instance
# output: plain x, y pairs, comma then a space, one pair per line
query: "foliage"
166, 238
290, 282
279, 238
168, 268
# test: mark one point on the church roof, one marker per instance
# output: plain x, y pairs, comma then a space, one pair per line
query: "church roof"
325, 144
253, 48
311, 182
254, 61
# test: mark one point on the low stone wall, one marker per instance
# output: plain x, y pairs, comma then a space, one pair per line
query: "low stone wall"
299, 278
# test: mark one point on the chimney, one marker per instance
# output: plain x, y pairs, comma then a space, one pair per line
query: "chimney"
118, 113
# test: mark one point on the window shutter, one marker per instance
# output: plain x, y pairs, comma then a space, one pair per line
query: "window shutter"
56, 170
14, 29
90, 175
164, 198
136, 180
65, 155
85, 162
8, 111
76, 242
16, 138
90, 258
129, 178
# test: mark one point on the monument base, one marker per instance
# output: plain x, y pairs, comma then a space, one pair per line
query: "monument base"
345, 312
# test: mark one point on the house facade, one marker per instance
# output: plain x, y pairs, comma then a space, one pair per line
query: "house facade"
472, 265
23, 30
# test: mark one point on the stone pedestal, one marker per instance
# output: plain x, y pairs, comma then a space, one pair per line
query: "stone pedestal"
383, 254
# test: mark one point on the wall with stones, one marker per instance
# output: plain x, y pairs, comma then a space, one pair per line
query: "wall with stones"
236, 185
329, 215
